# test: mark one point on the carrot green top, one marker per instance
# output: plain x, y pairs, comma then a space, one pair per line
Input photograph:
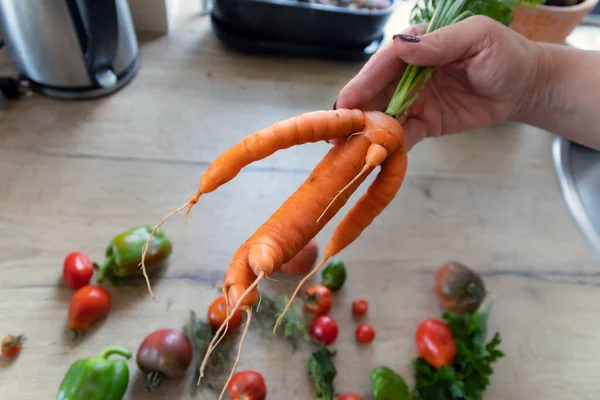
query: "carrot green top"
440, 13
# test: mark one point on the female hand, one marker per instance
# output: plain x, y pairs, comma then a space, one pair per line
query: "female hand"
485, 73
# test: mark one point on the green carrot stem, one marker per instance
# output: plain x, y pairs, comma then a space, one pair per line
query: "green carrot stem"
415, 78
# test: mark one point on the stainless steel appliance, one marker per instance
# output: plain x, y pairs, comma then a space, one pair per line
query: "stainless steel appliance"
577, 166
71, 49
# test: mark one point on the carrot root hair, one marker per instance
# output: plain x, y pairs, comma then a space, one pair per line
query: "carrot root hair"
365, 169
147, 244
239, 353
300, 284
192, 202
213, 343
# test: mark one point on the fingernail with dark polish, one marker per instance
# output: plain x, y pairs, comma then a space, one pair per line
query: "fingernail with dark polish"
334, 105
407, 38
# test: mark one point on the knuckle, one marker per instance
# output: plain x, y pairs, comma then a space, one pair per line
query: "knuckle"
485, 23
416, 30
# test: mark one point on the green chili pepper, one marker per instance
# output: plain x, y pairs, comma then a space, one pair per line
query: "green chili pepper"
334, 275
124, 253
97, 378
388, 385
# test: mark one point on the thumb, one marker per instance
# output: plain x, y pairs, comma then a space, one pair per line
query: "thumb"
448, 44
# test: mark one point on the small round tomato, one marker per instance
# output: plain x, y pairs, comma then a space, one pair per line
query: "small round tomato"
77, 270
317, 300
359, 307
324, 329
435, 343
365, 333
217, 314
350, 396
247, 385
11, 345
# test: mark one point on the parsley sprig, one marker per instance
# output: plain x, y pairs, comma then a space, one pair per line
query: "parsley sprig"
469, 375
466, 379
500, 10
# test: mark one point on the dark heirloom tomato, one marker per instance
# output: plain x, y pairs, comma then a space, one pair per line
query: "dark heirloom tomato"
458, 288
165, 352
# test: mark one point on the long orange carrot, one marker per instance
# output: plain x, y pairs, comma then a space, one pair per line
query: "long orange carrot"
377, 197
302, 216
371, 138
304, 128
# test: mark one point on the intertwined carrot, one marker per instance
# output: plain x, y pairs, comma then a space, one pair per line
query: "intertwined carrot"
372, 139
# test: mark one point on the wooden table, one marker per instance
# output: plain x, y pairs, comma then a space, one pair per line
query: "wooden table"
72, 174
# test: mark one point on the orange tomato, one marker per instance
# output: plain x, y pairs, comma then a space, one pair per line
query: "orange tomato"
11, 345
317, 299
217, 314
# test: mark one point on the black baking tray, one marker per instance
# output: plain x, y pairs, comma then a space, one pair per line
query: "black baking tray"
303, 23
254, 43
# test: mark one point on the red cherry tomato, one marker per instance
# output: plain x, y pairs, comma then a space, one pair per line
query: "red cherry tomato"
359, 307
365, 333
247, 385
12, 345
350, 396
89, 304
77, 270
317, 300
217, 314
324, 329
435, 343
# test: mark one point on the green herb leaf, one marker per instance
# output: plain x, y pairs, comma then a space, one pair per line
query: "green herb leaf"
292, 327
500, 10
322, 371
200, 333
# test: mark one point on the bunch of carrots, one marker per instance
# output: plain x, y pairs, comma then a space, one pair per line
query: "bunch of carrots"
370, 139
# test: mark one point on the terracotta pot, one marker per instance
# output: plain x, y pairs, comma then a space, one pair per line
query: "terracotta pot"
550, 24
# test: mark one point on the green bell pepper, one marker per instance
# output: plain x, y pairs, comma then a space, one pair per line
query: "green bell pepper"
124, 253
334, 275
97, 378
388, 385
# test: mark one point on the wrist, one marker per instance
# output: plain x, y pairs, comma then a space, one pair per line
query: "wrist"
537, 99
